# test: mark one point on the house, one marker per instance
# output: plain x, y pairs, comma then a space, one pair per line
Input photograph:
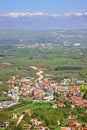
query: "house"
54, 106
78, 127
65, 81
34, 122
58, 122
13, 80
1, 105
13, 94
84, 128
27, 126
78, 101
39, 94
14, 116
25, 80
72, 122
65, 88
73, 90
46, 84
1, 83
72, 117
72, 106
5, 125
48, 98
39, 123
41, 127
65, 128
7, 104
60, 104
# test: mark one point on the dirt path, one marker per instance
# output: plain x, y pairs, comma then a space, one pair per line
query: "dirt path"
6, 63
39, 73
33, 67
20, 119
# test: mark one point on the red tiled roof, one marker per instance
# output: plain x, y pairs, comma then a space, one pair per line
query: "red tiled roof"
40, 127
64, 128
84, 128
46, 84
28, 125
61, 104
79, 127
72, 122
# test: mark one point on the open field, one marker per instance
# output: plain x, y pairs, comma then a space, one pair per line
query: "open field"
32, 107
62, 57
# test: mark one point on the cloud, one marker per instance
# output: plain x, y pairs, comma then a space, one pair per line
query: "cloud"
21, 14
28, 14
75, 14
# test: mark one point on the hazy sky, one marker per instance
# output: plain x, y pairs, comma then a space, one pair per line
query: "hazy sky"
49, 6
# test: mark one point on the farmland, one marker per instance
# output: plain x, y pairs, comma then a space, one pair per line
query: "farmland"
59, 50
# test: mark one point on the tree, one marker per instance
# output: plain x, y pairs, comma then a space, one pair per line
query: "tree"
19, 127
4, 115
85, 95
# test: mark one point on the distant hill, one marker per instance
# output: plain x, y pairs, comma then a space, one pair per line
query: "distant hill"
41, 20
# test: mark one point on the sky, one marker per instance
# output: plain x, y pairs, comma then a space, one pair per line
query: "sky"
47, 6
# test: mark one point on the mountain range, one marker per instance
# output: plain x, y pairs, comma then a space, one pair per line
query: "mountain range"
40, 20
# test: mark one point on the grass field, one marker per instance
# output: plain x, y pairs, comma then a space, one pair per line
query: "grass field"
22, 58
32, 107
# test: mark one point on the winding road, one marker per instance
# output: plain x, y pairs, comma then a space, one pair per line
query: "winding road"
39, 73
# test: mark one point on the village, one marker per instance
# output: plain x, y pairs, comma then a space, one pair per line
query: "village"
45, 90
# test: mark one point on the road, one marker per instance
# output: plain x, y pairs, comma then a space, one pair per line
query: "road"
20, 119
39, 73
